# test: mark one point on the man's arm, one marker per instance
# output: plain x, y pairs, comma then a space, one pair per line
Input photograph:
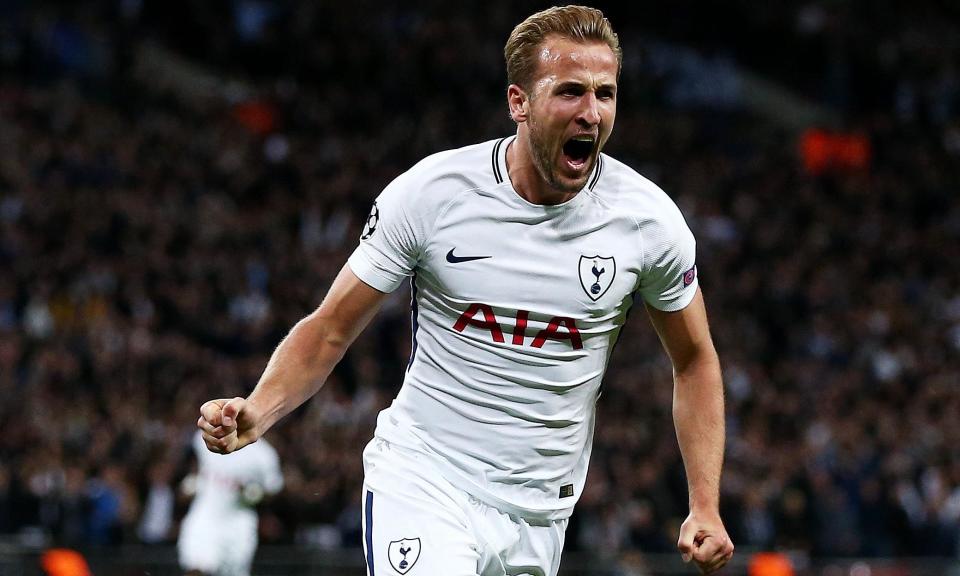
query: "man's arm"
699, 419
297, 369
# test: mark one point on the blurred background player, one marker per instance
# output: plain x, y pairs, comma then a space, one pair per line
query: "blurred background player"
226, 491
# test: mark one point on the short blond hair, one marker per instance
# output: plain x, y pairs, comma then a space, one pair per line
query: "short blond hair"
578, 23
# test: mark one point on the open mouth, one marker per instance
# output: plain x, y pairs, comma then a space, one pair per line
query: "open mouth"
577, 150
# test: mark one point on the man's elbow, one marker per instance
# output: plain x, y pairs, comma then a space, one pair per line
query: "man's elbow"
322, 334
697, 362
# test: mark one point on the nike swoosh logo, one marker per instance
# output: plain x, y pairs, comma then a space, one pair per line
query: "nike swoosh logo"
457, 259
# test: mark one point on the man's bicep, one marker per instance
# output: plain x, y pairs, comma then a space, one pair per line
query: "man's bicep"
349, 305
685, 333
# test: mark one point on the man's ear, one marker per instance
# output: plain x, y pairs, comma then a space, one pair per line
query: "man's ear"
519, 103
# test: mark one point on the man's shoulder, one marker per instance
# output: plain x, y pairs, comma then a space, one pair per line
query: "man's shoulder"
472, 165
444, 175
619, 181
623, 187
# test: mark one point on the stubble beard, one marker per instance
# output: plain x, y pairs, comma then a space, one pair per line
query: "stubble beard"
543, 160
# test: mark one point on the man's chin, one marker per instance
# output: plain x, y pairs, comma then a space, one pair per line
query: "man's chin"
572, 182
567, 186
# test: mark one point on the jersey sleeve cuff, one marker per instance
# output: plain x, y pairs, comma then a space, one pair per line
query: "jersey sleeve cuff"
679, 303
371, 274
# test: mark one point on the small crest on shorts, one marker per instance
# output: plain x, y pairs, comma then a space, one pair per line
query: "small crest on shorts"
689, 276
596, 275
403, 554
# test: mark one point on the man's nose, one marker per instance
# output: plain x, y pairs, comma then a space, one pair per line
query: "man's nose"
589, 110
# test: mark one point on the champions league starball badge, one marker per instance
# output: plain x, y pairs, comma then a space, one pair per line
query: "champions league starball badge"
370, 226
596, 275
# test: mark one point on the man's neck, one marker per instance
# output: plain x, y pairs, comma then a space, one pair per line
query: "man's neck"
526, 179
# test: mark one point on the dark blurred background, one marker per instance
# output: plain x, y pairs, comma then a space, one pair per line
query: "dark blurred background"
181, 180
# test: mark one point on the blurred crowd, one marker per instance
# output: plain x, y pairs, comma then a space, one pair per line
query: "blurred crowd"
154, 250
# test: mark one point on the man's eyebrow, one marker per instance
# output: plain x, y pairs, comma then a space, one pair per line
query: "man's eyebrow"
570, 84
609, 86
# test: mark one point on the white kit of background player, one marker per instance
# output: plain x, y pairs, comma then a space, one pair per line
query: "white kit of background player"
219, 534
516, 308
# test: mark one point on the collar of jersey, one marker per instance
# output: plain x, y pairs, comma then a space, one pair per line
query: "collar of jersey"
502, 177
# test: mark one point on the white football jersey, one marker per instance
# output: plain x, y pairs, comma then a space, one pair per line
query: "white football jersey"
516, 308
219, 533
222, 477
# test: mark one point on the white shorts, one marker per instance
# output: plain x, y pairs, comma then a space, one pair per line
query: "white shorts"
417, 523
216, 546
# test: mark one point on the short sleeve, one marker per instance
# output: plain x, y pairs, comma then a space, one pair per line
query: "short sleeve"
670, 279
198, 446
272, 473
392, 239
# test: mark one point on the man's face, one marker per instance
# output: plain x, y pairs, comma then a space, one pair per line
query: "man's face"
572, 106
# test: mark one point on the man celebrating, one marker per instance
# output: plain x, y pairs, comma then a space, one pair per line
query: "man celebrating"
524, 255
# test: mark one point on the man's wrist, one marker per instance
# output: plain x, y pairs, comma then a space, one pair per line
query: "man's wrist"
259, 417
701, 506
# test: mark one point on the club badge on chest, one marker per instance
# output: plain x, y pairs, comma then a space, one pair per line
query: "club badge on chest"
596, 275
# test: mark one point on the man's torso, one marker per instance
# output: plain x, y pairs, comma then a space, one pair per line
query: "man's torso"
516, 308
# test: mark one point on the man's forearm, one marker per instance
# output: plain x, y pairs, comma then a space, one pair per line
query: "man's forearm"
698, 416
297, 369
